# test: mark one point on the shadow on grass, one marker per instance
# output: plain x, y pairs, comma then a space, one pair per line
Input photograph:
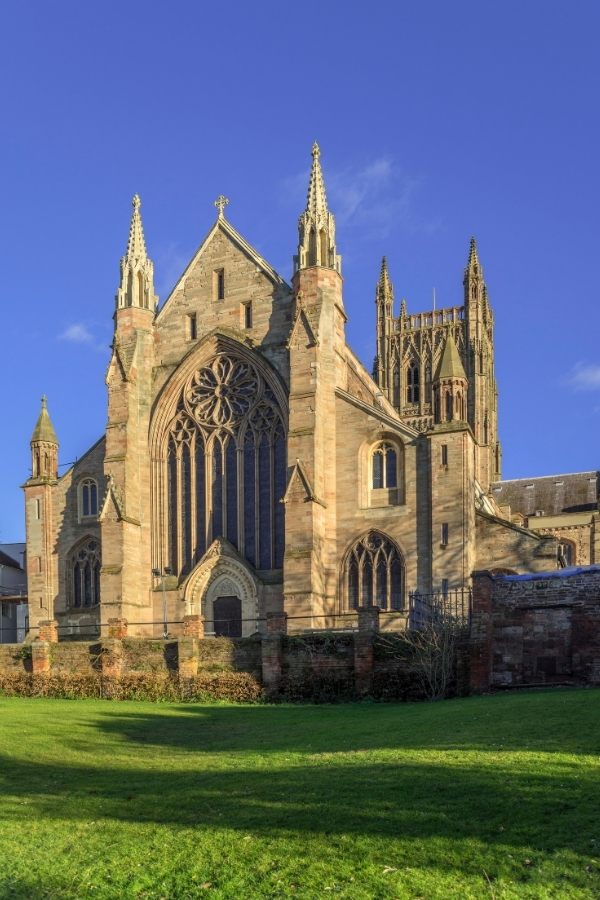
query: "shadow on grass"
562, 721
220, 772
411, 800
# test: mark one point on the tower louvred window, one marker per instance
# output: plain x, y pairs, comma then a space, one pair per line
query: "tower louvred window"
412, 392
226, 466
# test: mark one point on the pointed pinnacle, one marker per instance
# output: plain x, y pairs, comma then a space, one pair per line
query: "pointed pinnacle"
44, 429
473, 255
316, 200
136, 245
385, 290
451, 364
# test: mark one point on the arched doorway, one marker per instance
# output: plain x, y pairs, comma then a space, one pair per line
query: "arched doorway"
223, 590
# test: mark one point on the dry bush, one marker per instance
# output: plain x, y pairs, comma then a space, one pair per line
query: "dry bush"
428, 656
157, 686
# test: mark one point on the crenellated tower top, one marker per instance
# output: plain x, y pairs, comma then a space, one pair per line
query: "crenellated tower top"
136, 286
316, 225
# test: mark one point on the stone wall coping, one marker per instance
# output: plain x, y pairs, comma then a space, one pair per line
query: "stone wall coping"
569, 572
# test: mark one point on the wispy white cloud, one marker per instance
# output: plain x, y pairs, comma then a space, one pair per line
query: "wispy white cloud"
584, 377
77, 333
372, 198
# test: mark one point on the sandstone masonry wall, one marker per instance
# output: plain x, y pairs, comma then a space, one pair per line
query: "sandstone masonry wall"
535, 629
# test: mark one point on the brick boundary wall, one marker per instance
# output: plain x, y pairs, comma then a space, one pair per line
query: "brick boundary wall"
317, 658
535, 629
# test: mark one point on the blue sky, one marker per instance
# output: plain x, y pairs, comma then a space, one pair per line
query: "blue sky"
436, 121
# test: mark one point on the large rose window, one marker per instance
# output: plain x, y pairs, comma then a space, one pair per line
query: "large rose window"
222, 392
226, 466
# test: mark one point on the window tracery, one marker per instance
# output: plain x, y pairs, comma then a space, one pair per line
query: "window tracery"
84, 574
226, 466
373, 573
384, 466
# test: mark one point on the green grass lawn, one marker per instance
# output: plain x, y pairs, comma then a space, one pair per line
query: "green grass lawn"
486, 797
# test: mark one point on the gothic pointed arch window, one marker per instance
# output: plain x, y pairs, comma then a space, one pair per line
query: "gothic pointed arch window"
396, 387
373, 573
83, 574
449, 406
226, 466
88, 498
412, 383
384, 466
312, 247
323, 247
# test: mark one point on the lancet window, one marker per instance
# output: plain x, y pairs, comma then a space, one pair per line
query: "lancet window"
374, 573
384, 466
226, 467
88, 497
84, 574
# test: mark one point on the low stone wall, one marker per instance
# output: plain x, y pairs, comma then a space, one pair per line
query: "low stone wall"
311, 666
535, 629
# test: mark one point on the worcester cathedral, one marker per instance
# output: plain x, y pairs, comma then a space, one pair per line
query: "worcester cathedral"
251, 464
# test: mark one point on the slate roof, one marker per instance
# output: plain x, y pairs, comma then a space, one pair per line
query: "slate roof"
8, 561
552, 494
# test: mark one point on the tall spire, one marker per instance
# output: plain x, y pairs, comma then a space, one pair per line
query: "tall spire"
136, 245
316, 200
473, 281
473, 264
384, 308
384, 285
316, 225
136, 287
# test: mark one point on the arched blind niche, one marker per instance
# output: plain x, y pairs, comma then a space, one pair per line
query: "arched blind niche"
225, 466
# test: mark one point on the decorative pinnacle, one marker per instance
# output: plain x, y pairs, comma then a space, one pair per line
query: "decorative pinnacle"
136, 245
473, 256
385, 290
316, 200
221, 202
44, 430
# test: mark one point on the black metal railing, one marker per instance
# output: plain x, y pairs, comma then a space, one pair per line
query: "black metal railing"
453, 605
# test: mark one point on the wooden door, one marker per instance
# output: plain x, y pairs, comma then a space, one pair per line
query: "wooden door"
227, 615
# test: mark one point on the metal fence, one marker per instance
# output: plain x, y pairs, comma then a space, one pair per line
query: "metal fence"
421, 610
453, 605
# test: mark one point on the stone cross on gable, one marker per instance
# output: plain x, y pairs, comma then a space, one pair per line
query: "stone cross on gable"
221, 202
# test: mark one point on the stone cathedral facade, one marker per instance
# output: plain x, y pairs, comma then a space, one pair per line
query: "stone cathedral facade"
251, 464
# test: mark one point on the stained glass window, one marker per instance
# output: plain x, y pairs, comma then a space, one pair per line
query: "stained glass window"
84, 574
228, 429
374, 573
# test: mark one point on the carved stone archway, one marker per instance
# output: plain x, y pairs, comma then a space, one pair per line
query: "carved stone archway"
222, 572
